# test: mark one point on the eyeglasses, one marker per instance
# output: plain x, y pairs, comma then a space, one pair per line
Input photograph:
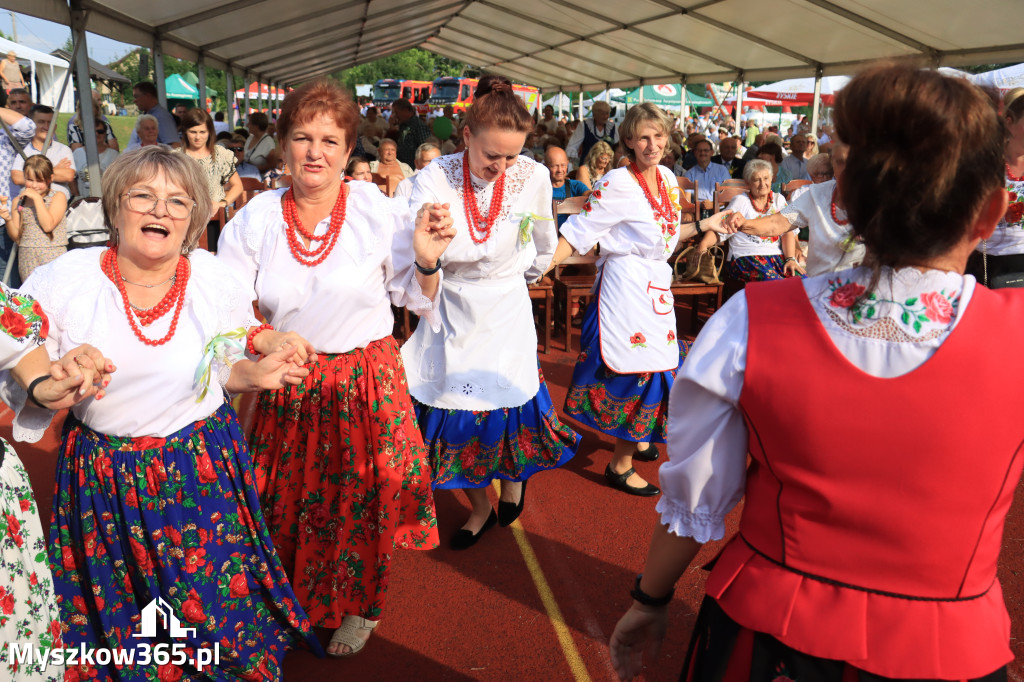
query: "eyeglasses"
142, 201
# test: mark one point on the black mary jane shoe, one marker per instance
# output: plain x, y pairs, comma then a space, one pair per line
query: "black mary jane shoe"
618, 481
651, 454
508, 512
464, 539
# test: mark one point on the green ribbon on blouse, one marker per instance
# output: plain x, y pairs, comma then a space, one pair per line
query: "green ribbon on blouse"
526, 221
218, 348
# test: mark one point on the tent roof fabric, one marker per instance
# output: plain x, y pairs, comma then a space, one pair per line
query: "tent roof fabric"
563, 44
25, 53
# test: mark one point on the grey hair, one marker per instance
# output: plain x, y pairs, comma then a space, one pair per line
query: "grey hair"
424, 148
755, 166
819, 163
146, 117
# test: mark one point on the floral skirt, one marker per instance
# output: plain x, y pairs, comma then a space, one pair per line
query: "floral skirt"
721, 650
344, 480
148, 525
632, 407
28, 609
755, 268
469, 449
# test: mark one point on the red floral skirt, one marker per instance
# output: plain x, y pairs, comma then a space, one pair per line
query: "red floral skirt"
344, 479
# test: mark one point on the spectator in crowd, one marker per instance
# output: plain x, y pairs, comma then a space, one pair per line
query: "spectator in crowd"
74, 131
358, 168
59, 155
812, 145
597, 163
562, 186
549, 121
380, 125
148, 103
369, 140
146, 133
388, 164
236, 145
412, 132
10, 72
217, 163
425, 153
36, 219
20, 100
727, 156
706, 174
23, 129
260, 148
751, 133
219, 124
772, 153
819, 167
592, 130
795, 165
825, 136
179, 111
107, 155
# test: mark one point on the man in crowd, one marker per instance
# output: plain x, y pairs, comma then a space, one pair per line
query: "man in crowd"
795, 164
706, 174
19, 100
23, 129
148, 103
549, 121
425, 153
727, 156
591, 131
380, 126
107, 155
412, 132
751, 134
219, 124
236, 145
562, 187
58, 154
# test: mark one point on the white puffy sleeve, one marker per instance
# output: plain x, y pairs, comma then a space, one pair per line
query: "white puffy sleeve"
400, 265
545, 230
600, 214
705, 474
798, 212
239, 244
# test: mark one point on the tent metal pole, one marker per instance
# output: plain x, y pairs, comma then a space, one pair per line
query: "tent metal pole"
32, 76
684, 111
581, 105
88, 122
201, 67
247, 86
817, 100
229, 96
158, 75
739, 97
63, 89
560, 96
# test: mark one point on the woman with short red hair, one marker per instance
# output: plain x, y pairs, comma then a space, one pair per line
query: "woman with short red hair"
483, 406
340, 464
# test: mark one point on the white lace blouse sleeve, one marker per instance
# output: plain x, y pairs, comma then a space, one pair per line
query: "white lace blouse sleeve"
705, 475
798, 212
545, 231
600, 214
400, 266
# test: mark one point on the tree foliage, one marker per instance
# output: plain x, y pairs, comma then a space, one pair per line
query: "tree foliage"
414, 64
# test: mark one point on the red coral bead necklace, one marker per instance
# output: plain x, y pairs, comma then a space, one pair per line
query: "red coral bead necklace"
1011, 177
473, 217
662, 207
836, 220
175, 297
767, 204
313, 256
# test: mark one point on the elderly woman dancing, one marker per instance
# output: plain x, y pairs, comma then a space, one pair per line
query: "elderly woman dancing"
629, 349
483, 405
340, 462
866, 549
155, 498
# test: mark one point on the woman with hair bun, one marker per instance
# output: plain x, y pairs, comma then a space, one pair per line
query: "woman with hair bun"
483, 406
871, 528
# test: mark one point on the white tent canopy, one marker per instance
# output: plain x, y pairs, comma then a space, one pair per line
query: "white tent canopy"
562, 44
1004, 79
50, 72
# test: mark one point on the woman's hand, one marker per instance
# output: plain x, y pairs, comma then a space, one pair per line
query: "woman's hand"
736, 222
792, 268
269, 341
81, 374
643, 627
720, 222
272, 371
435, 229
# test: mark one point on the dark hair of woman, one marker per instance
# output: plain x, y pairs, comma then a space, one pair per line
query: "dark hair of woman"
770, 148
352, 163
909, 199
198, 117
314, 99
496, 106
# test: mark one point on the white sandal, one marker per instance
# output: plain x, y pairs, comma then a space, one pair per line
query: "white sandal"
348, 635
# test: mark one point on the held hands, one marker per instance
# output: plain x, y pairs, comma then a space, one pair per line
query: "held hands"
269, 341
641, 628
435, 229
81, 374
280, 368
719, 222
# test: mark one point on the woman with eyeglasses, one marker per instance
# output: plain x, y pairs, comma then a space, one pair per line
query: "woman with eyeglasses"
155, 497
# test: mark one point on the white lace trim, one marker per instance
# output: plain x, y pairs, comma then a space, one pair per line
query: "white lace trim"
516, 178
702, 525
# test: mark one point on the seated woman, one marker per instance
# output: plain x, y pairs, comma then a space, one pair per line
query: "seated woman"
358, 168
772, 153
597, 163
867, 548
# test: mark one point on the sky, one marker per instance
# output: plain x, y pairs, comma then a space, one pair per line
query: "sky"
47, 36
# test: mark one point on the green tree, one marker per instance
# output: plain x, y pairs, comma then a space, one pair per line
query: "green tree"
414, 64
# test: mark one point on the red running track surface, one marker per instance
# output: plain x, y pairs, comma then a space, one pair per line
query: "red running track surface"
478, 614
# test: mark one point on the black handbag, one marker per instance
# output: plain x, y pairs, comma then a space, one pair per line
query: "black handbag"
1007, 280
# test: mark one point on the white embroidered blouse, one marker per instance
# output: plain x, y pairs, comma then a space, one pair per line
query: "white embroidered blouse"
829, 244
344, 302
154, 391
741, 244
891, 333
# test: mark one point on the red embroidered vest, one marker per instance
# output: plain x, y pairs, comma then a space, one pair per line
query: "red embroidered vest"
875, 507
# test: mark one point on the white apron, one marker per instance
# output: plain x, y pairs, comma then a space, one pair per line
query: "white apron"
636, 315
485, 356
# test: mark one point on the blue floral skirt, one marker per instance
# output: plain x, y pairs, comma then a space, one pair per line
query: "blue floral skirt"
469, 449
755, 268
176, 518
632, 407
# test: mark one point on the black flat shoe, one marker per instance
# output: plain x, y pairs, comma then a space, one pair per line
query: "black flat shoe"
508, 512
464, 539
651, 454
618, 481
